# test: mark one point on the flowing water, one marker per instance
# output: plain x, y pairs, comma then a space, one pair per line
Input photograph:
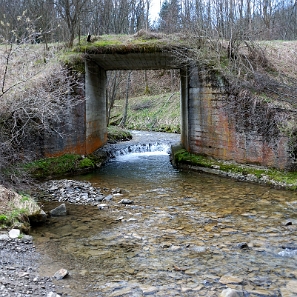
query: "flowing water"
186, 234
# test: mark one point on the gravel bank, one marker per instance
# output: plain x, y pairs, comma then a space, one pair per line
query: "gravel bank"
19, 270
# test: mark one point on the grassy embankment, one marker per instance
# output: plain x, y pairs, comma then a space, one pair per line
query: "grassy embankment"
152, 113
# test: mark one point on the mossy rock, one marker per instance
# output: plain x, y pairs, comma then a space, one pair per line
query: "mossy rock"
115, 134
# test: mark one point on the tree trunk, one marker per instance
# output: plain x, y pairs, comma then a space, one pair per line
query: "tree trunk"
147, 90
124, 119
112, 94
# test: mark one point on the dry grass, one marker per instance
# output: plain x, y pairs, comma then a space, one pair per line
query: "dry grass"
283, 56
15, 208
23, 63
6, 199
10, 200
153, 113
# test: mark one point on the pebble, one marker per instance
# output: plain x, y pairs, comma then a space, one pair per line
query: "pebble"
230, 279
71, 191
108, 198
14, 233
52, 294
126, 201
60, 274
242, 245
231, 293
102, 206
148, 289
18, 269
292, 286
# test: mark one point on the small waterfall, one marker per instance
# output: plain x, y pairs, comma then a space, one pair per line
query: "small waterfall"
157, 147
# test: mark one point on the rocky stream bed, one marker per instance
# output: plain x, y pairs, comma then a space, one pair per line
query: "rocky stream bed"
20, 260
197, 235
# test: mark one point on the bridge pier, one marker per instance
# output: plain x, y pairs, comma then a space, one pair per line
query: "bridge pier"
96, 106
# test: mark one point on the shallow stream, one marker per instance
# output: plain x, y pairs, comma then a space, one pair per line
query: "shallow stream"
186, 234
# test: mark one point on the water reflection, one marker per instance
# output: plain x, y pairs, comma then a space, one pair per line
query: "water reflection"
187, 234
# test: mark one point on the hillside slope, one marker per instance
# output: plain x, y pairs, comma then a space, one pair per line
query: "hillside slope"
154, 113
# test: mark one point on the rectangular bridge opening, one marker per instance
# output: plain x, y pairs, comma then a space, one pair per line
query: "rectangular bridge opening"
144, 99
119, 84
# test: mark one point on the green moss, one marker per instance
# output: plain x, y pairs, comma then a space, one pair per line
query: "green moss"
73, 60
146, 43
181, 156
3, 218
86, 163
58, 166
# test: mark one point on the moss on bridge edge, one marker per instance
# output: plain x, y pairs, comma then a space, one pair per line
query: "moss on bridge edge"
142, 42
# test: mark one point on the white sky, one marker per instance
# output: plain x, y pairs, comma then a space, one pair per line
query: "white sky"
154, 9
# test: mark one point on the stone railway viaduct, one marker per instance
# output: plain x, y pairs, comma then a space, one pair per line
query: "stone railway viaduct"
206, 127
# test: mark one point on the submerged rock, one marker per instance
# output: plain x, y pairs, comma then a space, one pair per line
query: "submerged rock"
242, 245
59, 211
126, 201
230, 279
231, 293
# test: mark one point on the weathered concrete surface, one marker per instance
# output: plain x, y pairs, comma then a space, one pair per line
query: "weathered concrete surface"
96, 107
135, 61
213, 128
71, 134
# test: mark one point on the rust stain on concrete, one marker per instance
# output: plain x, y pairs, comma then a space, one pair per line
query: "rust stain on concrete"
94, 142
79, 149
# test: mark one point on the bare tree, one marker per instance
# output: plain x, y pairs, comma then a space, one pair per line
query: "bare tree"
71, 11
114, 79
124, 119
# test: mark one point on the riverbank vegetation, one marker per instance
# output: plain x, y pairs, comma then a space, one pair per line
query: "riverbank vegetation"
33, 98
15, 209
184, 160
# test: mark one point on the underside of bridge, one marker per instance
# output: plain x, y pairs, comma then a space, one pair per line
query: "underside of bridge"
95, 88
